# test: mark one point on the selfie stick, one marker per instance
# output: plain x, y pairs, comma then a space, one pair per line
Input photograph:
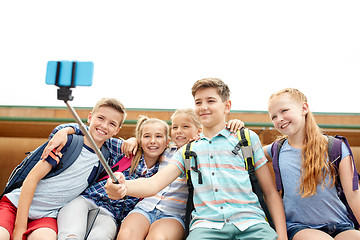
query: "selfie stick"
64, 93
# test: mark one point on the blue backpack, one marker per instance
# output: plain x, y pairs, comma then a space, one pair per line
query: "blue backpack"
335, 156
72, 149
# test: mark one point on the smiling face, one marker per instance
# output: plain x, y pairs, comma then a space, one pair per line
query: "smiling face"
183, 129
210, 109
103, 124
288, 115
153, 142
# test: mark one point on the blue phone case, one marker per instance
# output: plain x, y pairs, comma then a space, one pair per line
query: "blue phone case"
83, 73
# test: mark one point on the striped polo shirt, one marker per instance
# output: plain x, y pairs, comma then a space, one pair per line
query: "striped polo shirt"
172, 199
226, 195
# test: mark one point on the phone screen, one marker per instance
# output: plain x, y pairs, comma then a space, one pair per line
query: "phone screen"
61, 73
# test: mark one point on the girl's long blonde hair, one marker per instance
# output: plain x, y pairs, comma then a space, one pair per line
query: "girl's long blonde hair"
143, 121
314, 165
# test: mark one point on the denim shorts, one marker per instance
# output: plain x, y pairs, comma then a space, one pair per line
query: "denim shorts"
156, 214
332, 229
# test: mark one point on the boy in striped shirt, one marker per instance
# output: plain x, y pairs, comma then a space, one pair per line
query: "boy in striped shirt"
225, 205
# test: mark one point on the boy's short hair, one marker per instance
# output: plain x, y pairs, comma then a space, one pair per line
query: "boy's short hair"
113, 103
221, 87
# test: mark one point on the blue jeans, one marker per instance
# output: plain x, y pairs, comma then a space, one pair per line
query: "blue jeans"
156, 214
332, 229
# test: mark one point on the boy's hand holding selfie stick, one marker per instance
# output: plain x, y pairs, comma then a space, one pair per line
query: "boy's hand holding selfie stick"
116, 191
67, 75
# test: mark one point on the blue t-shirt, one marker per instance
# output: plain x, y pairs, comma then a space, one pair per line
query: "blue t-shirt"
320, 209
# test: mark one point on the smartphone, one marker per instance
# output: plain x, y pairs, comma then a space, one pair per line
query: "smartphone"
69, 73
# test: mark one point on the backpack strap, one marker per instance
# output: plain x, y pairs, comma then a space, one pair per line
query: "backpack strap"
187, 154
245, 145
334, 150
335, 156
275, 151
71, 153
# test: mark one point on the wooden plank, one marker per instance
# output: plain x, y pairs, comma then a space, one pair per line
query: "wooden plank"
43, 129
246, 116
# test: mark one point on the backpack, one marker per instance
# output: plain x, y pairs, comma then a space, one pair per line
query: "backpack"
334, 152
244, 145
72, 148
120, 166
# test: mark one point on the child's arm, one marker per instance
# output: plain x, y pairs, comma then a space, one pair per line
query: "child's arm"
143, 187
273, 200
129, 147
267, 155
26, 196
234, 125
74, 126
346, 170
59, 139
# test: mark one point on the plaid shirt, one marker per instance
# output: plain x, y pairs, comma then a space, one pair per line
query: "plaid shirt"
96, 192
119, 208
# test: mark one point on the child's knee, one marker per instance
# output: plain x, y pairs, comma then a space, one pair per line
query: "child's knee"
157, 236
70, 237
41, 234
126, 233
4, 233
95, 235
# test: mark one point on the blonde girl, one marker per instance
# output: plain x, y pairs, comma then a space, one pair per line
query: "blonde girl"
152, 136
312, 208
162, 216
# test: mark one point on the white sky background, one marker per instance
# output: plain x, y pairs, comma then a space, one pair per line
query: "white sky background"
148, 53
